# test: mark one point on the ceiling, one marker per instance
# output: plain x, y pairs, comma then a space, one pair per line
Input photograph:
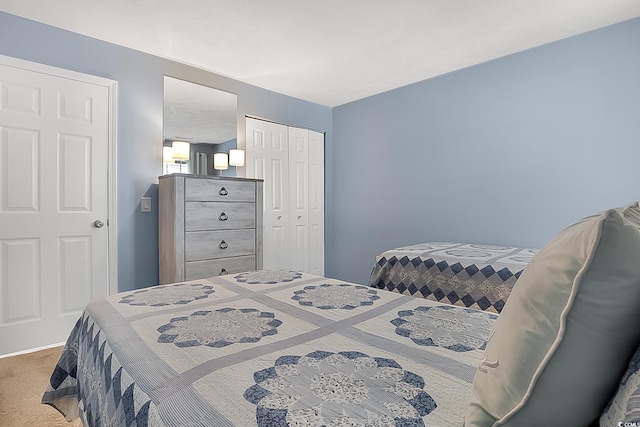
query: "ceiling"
328, 52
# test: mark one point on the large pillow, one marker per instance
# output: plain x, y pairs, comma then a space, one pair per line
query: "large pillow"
567, 332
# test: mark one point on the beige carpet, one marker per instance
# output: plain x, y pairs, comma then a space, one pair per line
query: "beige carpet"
23, 379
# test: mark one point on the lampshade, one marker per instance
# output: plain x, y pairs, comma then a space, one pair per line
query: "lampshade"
236, 157
220, 161
167, 154
180, 150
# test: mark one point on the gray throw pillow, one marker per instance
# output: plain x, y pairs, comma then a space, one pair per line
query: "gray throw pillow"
567, 332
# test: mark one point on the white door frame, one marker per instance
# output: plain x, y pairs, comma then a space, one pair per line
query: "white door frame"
112, 87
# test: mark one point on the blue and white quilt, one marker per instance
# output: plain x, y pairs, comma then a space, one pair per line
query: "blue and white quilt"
269, 349
462, 274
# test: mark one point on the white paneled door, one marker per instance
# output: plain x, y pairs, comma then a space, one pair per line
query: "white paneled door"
306, 181
55, 146
291, 162
267, 151
299, 198
315, 214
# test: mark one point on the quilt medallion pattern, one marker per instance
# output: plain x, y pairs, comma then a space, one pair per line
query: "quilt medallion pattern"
269, 277
331, 296
450, 327
158, 296
347, 388
219, 328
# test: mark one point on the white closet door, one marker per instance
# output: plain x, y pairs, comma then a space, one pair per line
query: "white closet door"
291, 162
299, 199
316, 203
267, 155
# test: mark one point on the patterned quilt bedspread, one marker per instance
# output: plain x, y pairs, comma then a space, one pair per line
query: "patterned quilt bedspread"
269, 348
462, 274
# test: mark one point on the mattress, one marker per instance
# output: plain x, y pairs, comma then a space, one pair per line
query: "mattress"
269, 348
462, 274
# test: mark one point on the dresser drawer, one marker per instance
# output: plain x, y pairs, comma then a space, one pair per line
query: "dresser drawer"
219, 215
219, 190
200, 245
218, 267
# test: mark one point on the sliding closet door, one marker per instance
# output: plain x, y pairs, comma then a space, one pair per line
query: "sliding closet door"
267, 153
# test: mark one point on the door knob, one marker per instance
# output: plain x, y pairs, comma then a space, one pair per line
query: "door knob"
98, 224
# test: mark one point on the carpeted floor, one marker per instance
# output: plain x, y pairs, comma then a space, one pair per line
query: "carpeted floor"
23, 379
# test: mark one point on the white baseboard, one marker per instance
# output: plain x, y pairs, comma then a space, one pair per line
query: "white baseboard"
32, 350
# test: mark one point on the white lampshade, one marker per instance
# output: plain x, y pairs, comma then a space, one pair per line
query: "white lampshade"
236, 157
220, 161
180, 150
167, 154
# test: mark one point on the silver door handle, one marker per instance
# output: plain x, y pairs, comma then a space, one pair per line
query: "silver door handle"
98, 224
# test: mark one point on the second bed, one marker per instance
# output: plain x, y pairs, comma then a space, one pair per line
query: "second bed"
463, 274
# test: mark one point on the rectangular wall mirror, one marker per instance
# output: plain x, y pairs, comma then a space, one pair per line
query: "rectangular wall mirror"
203, 117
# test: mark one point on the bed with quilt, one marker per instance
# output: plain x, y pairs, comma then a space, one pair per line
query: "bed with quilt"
269, 348
462, 274
281, 348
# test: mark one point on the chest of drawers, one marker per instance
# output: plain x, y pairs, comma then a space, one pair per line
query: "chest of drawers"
208, 226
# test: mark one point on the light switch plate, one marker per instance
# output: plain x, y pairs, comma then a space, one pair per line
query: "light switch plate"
145, 204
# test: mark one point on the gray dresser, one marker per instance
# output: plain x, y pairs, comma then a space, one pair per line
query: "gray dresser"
208, 226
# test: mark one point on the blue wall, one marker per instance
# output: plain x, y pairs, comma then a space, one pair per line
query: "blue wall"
506, 152
140, 108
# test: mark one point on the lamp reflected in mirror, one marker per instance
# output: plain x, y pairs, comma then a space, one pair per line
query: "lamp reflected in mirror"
236, 157
180, 152
220, 162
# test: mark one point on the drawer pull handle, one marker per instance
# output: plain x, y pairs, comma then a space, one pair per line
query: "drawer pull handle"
223, 271
223, 217
223, 191
223, 245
